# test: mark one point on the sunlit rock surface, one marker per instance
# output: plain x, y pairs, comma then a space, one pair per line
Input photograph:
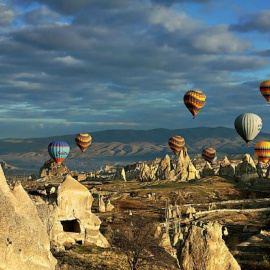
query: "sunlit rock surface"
24, 243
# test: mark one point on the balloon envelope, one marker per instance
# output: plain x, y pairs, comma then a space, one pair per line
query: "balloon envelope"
265, 90
58, 151
248, 126
83, 140
209, 154
194, 101
176, 143
262, 150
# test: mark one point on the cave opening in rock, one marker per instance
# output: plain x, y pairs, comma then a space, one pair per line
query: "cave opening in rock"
71, 225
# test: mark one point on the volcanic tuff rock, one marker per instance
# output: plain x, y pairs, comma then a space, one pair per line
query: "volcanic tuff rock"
24, 243
182, 163
148, 171
73, 221
208, 170
120, 174
164, 168
246, 169
193, 173
181, 168
225, 168
205, 249
52, 169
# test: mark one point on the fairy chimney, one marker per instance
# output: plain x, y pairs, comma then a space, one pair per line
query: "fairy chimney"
24, 242
73, 220
226, 169
205, 249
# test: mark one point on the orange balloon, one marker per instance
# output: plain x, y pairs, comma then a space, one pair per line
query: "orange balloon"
194, 101
265, 90
83, 140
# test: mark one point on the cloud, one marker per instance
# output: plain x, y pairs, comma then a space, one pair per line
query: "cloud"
41, 15
75, 64
258, 21
70, 7
172, 2
6, 15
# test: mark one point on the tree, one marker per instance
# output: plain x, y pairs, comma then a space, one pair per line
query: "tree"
135, 237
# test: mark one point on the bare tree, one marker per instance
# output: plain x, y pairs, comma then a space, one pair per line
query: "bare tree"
135, 237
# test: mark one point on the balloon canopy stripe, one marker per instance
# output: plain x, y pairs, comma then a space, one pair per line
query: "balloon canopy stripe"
83, 140
176, 143
194, 101
265, 90
58, 151
209, 154
262, 150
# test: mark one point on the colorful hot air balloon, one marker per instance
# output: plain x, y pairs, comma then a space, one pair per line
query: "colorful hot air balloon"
262, 150
248, 126
194, 101
83, 140
209, 154
265, 90
176, 143
58, 151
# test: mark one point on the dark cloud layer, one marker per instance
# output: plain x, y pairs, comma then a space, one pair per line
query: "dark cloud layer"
258, 21
70, 66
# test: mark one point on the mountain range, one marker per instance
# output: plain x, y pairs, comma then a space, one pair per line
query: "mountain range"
124, 146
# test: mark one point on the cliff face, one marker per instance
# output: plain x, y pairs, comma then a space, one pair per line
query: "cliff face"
205, 249
24, 243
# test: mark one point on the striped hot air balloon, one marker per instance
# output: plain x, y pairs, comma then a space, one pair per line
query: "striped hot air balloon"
176, 143
265, 90
262, 150
83, 140
58, 151
209, 154
248, 126
194, 101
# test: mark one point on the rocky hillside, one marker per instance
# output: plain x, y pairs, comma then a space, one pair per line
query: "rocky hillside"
125, 146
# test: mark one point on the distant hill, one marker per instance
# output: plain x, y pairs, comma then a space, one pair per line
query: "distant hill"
111, 146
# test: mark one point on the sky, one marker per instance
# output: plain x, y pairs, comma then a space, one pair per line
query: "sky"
87, 65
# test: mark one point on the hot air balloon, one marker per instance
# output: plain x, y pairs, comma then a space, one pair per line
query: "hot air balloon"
262, 150
83, 140
209, 154
176, 143
58, 151
248, 126
194, 101
265, 90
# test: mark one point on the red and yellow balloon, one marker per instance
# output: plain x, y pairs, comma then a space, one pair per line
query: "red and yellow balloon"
265, 90
262, 150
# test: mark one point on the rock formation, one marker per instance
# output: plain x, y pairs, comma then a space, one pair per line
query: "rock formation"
182, 163
53, 170
109, 206
193, 173
148, 171
24, 243
226, 169
208, 170
164, 168
205, 249
259, 169
72, 219
246, 169
101, 204
120, 174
